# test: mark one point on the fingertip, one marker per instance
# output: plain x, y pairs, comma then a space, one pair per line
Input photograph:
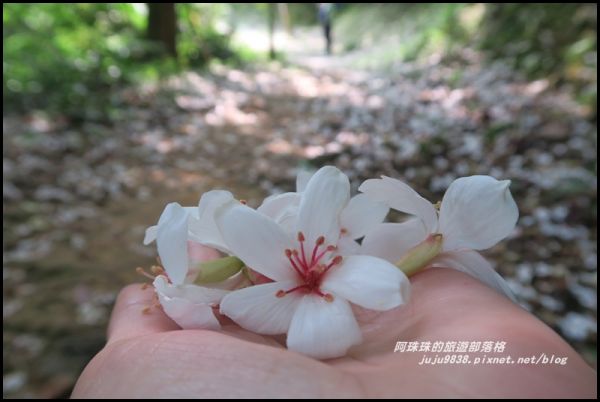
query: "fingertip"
134, 293
137, 312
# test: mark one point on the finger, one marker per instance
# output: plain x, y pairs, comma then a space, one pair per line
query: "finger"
129, 317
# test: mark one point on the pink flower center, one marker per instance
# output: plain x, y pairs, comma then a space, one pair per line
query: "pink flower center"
311, 266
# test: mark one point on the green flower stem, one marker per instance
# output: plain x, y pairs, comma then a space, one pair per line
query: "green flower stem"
419, 256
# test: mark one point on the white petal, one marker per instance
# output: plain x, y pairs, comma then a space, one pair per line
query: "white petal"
401, 197
472, 263
288, 221
189, 315
391, 241
326, 194
476, 213
191, 292
370, 282
192, 211
277, 207
256, 240
258, 309
210, 201
171, 241
203, 228
323, 329
361, 215
152, 231
189, 306
150, 235
347, 246
302, 179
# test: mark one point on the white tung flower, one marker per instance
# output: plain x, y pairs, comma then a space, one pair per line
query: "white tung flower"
476, 212
358, 217
201, 226
189, 305
313, 285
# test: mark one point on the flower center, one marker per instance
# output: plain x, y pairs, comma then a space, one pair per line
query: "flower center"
311, 266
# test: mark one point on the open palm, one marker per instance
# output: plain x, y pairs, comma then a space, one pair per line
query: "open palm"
147, 355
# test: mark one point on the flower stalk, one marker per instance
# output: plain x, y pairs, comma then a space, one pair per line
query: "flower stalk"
419, 256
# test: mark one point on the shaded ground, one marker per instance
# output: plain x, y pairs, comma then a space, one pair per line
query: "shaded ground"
77, 198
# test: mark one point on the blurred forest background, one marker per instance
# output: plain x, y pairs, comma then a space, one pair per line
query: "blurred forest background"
113, 110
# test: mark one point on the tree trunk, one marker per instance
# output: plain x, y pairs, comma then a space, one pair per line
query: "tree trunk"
271, 21
162, 25
284, 15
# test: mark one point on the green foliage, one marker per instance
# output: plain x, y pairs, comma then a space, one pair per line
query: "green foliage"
72, 58
300, 14
198, 40
303, 13
60, 57
401, 32
540, 39
555, 41
558, 41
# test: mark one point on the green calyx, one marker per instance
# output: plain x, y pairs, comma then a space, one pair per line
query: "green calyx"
419, 256
218, 270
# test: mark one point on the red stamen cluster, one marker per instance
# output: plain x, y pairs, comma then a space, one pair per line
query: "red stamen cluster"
310, 270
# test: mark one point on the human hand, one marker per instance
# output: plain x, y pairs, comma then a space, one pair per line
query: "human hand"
147, 355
